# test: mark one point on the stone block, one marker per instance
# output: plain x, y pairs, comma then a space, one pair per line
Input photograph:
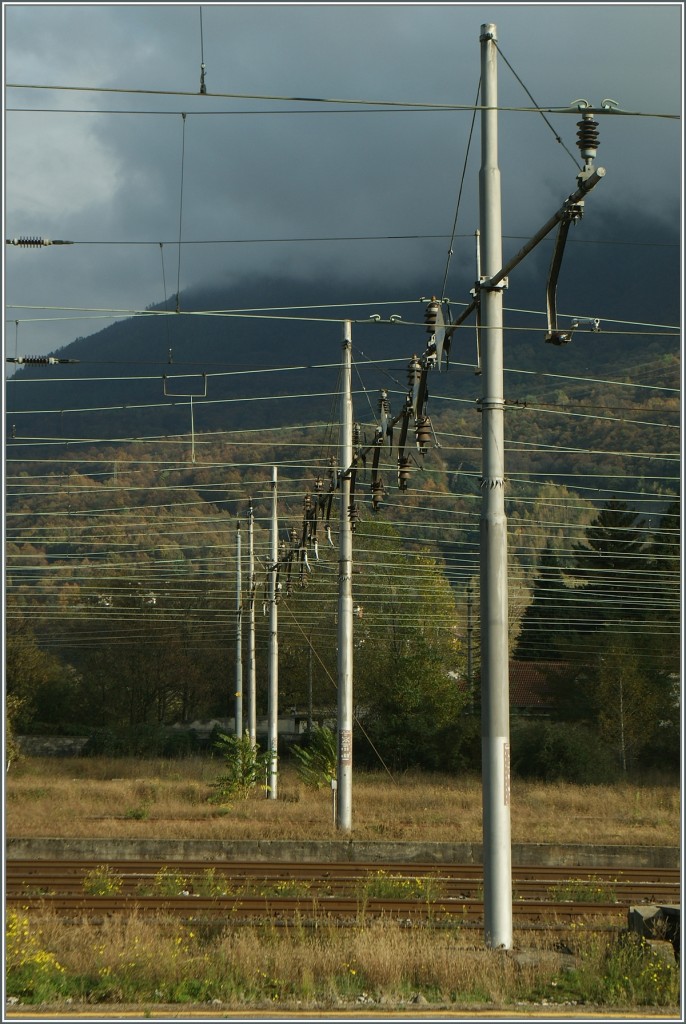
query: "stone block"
657, 922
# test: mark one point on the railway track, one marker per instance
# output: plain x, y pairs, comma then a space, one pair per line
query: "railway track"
247, 891
252, 908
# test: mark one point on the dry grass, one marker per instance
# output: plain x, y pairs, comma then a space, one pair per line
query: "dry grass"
157, 960
388, 955
158, 799
373, 965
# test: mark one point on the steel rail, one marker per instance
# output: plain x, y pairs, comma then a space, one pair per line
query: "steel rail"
335, 890
322, 908
145, 883
637, 885
329, 869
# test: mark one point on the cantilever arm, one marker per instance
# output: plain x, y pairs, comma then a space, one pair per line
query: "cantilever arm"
585, 184
555, 336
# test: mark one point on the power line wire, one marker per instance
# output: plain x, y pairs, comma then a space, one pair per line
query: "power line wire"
575, 110
363, 238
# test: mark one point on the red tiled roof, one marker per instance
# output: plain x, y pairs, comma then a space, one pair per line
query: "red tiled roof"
530, 683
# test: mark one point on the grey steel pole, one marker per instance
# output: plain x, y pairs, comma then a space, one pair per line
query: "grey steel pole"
252, 673
239, 635
345, 601
273, 711
495, 720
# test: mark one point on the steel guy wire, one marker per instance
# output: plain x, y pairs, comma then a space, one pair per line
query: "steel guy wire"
441, 296
557, 137
183, 152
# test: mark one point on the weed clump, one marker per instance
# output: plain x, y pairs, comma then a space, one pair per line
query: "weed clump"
102, 881
244, 768
583, 890
381, 885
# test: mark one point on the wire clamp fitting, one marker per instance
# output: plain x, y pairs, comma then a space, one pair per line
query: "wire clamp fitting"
589, 323
501, 285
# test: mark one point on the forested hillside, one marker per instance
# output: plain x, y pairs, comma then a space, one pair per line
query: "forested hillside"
124, 497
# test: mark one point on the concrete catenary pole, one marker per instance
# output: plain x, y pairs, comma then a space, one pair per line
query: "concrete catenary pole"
252, 671
273, 700
345, 600
239, 634
495, 720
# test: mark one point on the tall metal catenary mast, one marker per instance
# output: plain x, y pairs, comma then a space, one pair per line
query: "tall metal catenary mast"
272, 709
252, 673
239, 634
488, 303
345, 599
495, 722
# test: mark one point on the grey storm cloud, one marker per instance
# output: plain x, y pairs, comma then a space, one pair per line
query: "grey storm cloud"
248, 174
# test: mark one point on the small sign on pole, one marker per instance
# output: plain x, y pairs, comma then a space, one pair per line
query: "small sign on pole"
334, 787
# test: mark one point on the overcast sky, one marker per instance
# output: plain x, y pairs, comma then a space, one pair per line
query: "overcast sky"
265, 169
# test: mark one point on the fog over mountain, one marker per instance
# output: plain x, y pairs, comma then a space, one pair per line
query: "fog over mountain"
125, 364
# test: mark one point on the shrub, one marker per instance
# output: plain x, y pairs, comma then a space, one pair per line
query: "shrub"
318, 758
13, 709
663, 749
459, 746
405, 742
33, 974
181, 744
626, 972
560, 751
140, 813
141, 741
245, 766
103, 743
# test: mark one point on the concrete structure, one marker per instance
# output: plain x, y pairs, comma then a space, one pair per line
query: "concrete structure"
657, 923
333, 851
51, 746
